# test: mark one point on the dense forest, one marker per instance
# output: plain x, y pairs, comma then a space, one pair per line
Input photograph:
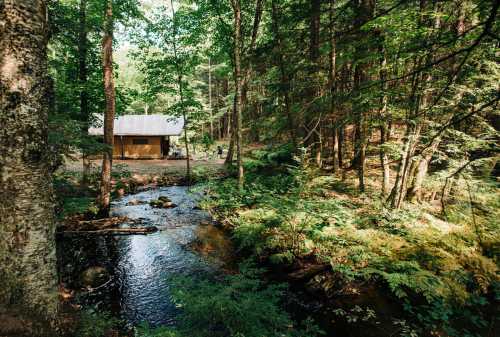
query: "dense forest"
337, 172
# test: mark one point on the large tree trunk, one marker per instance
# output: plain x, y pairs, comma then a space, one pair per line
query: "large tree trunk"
82, 76
238, 88
27, 247
109, 115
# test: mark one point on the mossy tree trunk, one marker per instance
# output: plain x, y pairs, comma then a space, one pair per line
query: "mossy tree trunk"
28, 279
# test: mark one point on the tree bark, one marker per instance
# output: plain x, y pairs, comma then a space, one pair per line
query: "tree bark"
231, 125
415, 191
333, 87
365, 10
27, 247
340, 139
180, 85
315, 22
238, 88
82, 77
285, 81
109, 114
210, 98
384, 120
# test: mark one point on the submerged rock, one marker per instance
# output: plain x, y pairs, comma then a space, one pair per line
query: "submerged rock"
93, 277
135, 202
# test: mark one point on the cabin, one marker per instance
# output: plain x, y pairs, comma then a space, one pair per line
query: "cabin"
142, 136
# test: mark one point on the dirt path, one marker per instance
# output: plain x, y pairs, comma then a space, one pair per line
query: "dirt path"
150, 166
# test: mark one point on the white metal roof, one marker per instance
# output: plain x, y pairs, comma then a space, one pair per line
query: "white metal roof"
142, 125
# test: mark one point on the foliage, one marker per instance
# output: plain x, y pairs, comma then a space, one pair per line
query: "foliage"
95, 324
437, 269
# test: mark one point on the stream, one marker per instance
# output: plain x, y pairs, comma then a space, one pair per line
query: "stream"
137, 267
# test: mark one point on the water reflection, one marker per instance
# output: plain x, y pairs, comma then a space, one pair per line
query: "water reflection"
140, 265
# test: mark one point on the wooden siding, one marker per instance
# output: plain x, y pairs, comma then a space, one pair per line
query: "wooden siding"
152, 150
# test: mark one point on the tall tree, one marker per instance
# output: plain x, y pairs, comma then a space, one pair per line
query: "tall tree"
180, 87
236, 4
82, 76
365, 10
27, 247
109, 114
284, 76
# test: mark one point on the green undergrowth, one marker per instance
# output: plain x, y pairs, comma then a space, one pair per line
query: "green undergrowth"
438, 271
73, 198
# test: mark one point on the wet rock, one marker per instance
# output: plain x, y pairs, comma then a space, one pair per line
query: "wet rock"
162, 202
93, 277
164, 199
135, 202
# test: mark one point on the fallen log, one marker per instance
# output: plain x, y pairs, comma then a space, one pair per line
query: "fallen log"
308, 272
116, 231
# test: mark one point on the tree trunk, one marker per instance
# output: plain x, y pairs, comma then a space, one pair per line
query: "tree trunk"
415, 191
421, 96
384, 120
365, 10
238, 88
384, 160
210, 98
180, 85
315, 22
285, 81
109, 114
231, 131
399, 189
340, 139
333, 88
27, 247
82, 76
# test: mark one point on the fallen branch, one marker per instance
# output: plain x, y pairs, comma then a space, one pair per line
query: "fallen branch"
116, 231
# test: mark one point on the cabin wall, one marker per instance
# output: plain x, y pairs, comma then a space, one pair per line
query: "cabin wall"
137, 147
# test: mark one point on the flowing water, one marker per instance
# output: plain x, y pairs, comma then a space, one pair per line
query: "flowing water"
139, 266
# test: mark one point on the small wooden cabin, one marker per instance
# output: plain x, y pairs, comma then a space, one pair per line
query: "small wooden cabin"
142, 136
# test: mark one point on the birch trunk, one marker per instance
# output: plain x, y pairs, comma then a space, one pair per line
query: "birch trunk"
27, 247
